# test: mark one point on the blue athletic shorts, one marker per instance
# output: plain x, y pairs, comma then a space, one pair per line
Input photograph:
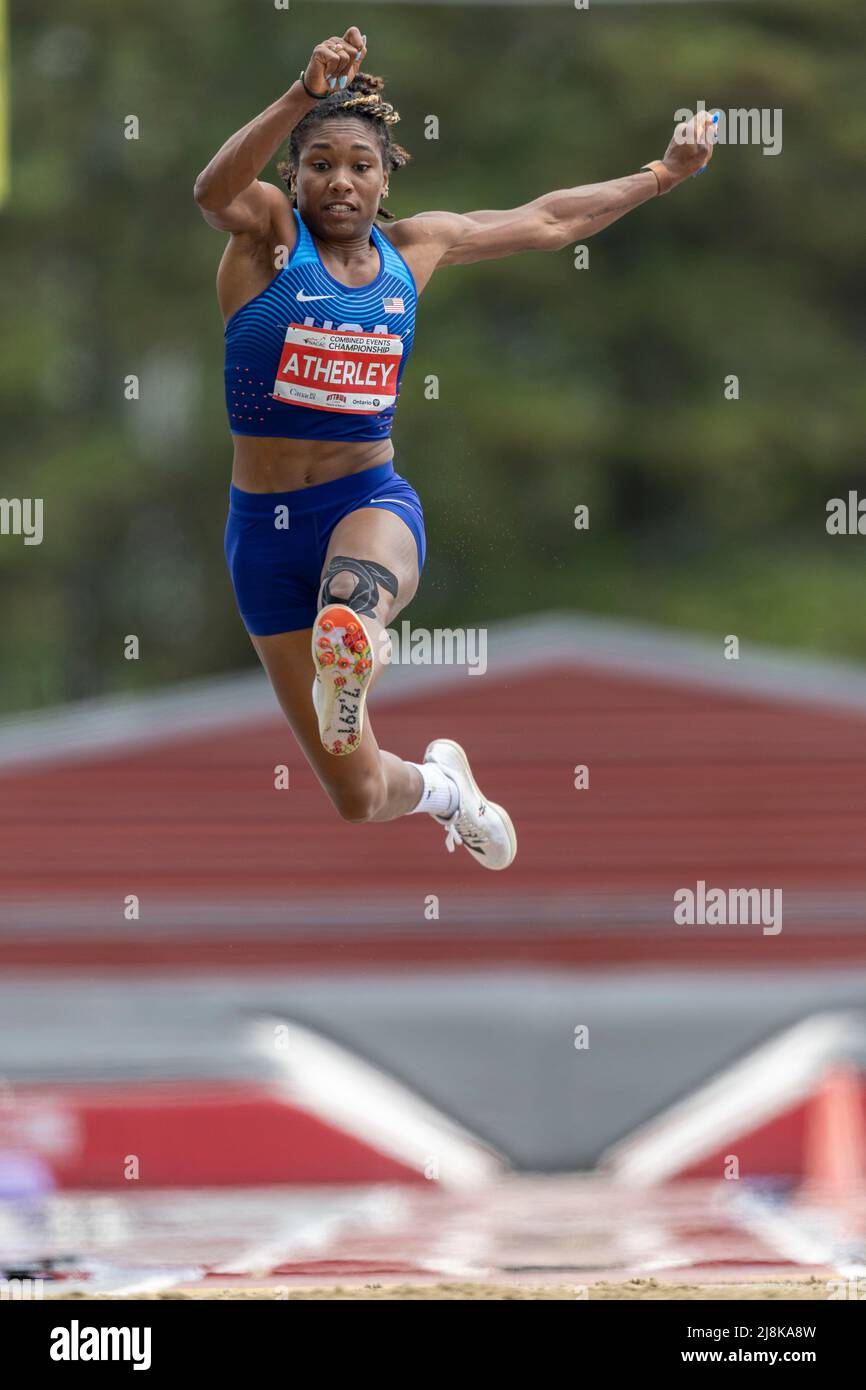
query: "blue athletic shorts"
275, 542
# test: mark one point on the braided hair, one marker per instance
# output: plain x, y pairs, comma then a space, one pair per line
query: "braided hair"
362, 99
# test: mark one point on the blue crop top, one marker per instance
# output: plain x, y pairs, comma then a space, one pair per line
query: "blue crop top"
311, 358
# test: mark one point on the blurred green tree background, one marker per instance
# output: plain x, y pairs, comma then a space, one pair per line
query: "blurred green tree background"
558, 386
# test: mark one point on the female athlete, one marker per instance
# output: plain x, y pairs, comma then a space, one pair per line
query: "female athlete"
325, 541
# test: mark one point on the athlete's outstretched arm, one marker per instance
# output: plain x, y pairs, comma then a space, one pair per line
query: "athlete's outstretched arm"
228, 190
557, 219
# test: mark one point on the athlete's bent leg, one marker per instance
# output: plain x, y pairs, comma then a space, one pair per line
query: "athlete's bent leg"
362, 589
376, 569
371, 784
371, 566
369, 575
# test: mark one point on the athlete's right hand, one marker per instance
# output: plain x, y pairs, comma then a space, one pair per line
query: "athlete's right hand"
691, 146
334, 59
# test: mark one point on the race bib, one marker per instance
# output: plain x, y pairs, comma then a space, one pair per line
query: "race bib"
329, 369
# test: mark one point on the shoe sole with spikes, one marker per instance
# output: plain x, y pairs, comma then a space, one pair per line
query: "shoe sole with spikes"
343, 658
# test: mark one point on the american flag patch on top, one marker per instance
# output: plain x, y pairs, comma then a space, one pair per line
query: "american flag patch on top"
393, 306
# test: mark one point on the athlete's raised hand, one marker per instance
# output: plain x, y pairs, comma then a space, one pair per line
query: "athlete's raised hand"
335, 62
691, 146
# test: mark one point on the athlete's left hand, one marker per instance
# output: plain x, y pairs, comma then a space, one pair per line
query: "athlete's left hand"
691, 146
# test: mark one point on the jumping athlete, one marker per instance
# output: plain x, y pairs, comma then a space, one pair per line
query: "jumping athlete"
325, 541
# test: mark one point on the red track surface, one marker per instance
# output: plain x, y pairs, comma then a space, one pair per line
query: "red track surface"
685, 785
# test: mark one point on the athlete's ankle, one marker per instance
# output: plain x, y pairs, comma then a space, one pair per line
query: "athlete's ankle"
440, 795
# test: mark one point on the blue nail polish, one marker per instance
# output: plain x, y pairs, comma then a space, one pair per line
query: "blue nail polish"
343, 80
332, 82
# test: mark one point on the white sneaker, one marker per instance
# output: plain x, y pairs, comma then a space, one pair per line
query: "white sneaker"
343, 657
483, 827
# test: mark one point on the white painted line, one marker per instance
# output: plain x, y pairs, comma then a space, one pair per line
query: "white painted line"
354, 1096
124, 1282
764, 1083
376, 1211
806, 1238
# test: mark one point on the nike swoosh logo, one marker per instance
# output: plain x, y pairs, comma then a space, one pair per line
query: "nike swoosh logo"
305, 298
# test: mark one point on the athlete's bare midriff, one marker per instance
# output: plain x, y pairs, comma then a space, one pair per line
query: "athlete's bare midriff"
284, 465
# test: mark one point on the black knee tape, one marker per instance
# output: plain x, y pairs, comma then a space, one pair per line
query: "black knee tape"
367, 575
